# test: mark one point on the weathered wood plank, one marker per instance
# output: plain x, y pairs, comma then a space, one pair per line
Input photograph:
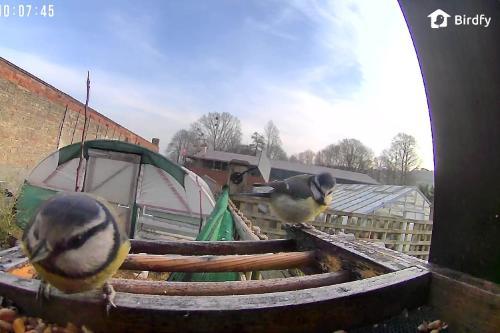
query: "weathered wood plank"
232, 263
212, 248
12, 258
323, 309
9, 250
244, 232
359, 256
229, 287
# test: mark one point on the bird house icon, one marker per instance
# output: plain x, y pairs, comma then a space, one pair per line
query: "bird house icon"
439, 19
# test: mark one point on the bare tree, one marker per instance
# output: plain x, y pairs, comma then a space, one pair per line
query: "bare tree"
279, 154
329, 156
258, 142
402, 156
306, 157
354, 155
384, 170
319, 158
222, 131
273, 142
183, 142
348, 154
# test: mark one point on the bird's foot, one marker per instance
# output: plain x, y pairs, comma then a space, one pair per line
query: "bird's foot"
43, 291
109, 296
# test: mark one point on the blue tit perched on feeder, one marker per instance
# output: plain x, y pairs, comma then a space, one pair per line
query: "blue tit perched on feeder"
299, 198
74, 242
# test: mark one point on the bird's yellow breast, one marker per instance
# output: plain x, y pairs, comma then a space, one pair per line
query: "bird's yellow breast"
296, 211
75, 285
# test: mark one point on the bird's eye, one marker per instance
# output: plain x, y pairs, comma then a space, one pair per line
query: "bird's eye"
74, 242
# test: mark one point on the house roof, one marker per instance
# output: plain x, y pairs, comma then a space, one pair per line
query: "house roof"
286, 165
365, 199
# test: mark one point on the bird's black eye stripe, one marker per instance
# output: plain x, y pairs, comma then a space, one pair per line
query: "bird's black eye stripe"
318, 187
80, 239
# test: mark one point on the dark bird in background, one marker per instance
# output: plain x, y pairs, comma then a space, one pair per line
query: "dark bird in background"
299, 198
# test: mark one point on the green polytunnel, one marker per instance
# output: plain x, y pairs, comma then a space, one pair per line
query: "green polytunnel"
154, 197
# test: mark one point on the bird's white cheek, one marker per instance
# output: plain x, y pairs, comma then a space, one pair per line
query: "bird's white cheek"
88, 257
315, 193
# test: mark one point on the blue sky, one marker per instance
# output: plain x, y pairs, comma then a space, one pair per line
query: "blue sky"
321, 70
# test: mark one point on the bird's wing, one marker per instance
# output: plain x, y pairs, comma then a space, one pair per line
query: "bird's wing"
272, 187
296, 187
257, 194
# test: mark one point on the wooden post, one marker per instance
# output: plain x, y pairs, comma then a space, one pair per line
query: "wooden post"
237, 166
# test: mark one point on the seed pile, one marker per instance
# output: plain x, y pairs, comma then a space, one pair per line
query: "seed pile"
12, 321
432, 327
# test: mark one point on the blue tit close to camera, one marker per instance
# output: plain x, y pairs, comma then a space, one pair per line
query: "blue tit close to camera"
299, 198
74, 243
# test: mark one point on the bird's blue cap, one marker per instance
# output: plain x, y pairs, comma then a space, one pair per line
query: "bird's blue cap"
326, 180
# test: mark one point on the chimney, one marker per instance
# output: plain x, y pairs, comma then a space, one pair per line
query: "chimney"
156, 142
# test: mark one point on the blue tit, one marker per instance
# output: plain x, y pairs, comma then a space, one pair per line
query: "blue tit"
299, 198
74, 242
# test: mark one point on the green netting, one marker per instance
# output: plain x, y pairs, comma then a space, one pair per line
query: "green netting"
147, 156
209, 232
28, 201
219, 227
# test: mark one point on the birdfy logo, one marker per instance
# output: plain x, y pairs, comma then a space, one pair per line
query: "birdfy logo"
439, 19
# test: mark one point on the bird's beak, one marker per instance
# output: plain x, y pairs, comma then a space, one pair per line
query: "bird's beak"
40, 252
327, 200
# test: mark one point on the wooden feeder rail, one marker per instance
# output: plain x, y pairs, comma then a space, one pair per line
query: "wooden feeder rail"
230, 263
212, 248
229, 287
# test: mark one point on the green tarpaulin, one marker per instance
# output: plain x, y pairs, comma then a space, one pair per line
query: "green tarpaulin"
219, 227
30, 198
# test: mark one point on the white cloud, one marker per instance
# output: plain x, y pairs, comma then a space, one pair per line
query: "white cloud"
370, 34
391, 96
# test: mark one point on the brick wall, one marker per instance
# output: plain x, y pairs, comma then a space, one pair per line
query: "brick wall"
32, 114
